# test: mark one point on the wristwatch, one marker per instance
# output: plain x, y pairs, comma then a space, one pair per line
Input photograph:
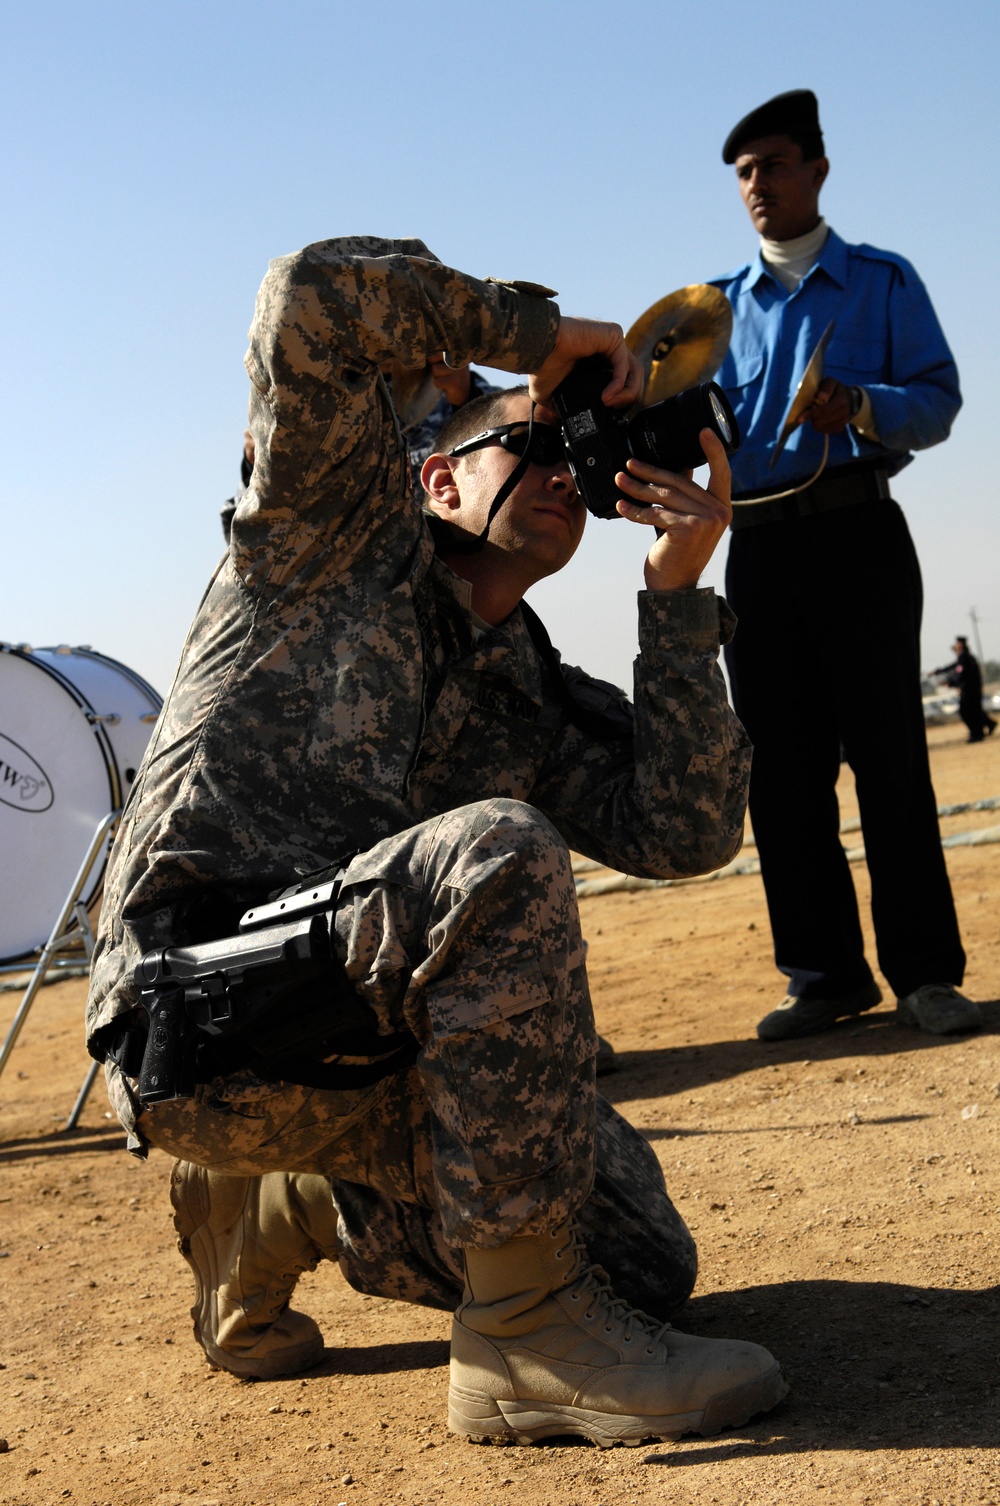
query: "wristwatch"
857, 398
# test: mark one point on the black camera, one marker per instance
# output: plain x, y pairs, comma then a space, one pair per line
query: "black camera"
600, 440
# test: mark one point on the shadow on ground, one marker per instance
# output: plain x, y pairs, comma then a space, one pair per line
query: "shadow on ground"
61, 1143
382, 1359
673, 1069
872, 1365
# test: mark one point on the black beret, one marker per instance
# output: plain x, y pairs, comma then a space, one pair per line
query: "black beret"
793, 114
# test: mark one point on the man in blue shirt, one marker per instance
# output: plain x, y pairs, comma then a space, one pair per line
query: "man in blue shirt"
824, 578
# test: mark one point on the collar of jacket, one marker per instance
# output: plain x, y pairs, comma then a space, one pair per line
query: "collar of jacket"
506, 649
832, 260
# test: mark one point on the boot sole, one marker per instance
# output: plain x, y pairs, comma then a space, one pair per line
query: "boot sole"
485, 1419
288, 1361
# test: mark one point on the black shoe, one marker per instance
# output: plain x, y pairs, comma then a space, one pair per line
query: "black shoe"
607, 1061
939, 1009
794, 1017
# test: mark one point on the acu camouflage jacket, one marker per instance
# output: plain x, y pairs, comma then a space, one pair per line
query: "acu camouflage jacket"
331, 691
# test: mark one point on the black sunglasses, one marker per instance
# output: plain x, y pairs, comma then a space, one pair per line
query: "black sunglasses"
547, 447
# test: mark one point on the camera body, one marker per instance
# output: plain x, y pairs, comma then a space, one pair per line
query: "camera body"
599, 440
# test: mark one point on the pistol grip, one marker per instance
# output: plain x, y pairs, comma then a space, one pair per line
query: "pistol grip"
164, 1066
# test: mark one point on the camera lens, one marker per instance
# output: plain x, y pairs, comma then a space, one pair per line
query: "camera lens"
666, 433
721, 418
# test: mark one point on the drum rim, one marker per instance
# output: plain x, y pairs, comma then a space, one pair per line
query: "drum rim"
85, 705
131, 674
114, 773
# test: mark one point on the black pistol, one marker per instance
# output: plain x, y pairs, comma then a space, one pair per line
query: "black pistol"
273, 991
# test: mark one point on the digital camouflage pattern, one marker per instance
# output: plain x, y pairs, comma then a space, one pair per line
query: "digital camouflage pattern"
394, 1249
332, 694
630, 1225
464, 930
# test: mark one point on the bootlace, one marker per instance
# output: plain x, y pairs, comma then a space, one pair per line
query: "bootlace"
593, 1283
282, 1284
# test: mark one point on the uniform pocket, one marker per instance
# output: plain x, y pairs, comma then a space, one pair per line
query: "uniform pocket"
455, 756
854, 357
511, 1089
509, 1095
470, 999
743, 368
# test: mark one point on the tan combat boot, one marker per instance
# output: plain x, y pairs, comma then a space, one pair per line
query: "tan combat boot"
248, 1239
541, 1346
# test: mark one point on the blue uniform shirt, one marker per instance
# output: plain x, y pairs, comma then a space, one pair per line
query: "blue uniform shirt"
886, 338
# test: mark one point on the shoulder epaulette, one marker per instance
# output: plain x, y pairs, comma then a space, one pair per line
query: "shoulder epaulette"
730, 276
875, 253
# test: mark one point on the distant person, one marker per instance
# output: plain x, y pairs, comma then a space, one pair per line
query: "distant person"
965, 676
825, 582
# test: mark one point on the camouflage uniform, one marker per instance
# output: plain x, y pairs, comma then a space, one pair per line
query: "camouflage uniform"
334, 699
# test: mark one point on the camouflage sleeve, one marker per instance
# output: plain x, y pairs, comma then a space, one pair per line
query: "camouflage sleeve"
330, 473
668, 799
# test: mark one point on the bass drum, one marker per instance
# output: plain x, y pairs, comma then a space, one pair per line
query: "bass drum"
74, 725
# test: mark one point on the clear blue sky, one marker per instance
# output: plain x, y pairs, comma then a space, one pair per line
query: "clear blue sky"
158, 154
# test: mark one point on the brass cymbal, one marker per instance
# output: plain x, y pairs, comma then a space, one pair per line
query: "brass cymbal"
804, 393
681, 340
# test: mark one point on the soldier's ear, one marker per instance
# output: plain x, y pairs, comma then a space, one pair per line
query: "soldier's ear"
437, 477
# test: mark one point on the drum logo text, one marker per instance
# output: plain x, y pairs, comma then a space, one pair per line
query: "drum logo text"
23, 782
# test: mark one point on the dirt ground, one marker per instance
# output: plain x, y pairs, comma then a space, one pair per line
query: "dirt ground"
842, 1190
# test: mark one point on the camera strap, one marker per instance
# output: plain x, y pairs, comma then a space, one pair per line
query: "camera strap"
510, 483
591, 721
449, 539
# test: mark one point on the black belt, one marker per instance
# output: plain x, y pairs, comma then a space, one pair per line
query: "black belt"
380, 1055
825, 495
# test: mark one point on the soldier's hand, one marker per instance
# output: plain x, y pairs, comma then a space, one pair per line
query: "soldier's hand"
590, 337
690, 519
830, 410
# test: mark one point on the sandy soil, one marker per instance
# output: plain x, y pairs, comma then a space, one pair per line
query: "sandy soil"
842, 1190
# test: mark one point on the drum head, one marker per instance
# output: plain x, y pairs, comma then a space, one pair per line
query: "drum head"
73, 728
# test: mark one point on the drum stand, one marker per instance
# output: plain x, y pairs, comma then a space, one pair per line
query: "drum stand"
72, 926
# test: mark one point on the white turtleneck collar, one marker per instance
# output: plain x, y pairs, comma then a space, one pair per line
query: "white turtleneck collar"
791, 260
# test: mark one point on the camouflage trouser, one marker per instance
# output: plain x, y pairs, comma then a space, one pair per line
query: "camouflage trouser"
465, 931
631, 1228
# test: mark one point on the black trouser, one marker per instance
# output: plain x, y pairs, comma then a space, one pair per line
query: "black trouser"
827, 656
970, 709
